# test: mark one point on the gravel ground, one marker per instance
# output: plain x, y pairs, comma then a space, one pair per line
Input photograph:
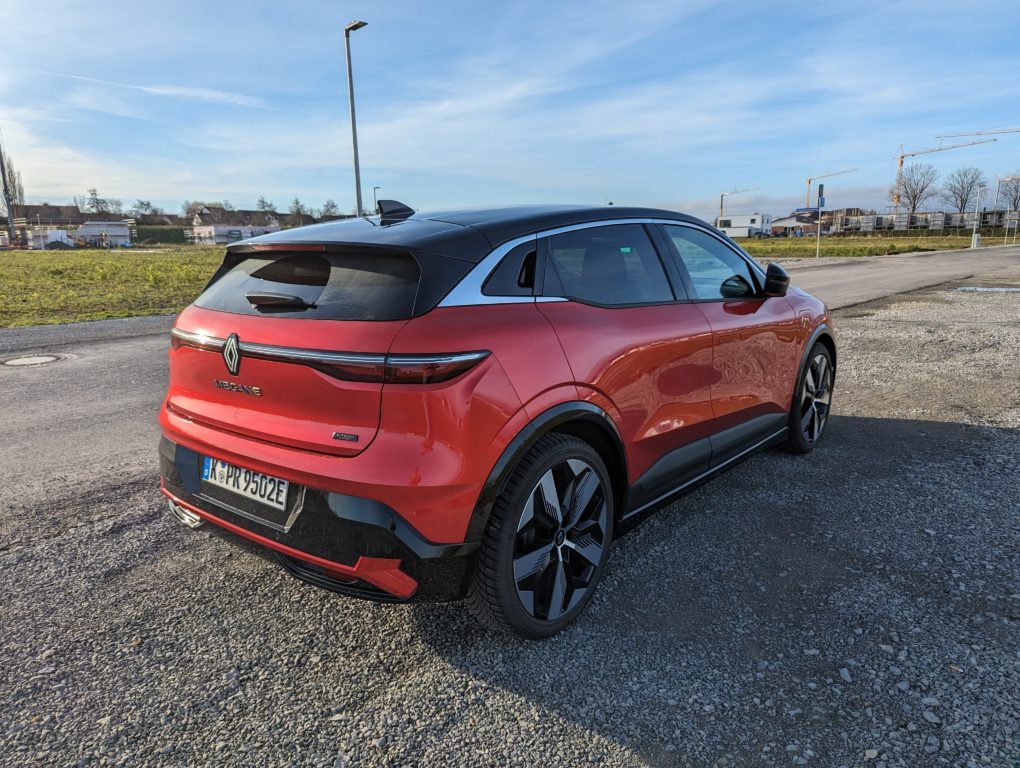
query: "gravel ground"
858, 606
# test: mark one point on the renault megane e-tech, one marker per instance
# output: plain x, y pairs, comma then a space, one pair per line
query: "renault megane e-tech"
469, 404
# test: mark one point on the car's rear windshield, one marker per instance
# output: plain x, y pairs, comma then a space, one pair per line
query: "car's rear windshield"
316, 285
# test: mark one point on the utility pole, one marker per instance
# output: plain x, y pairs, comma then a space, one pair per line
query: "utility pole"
8, 197
975, 238
354, 25
818, 233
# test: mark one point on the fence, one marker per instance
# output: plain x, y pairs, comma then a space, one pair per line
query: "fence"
934, 221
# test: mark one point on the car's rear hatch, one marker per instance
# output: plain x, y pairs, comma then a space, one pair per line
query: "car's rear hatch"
288, 344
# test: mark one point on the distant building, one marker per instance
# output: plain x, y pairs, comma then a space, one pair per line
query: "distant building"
40, 238
217, 214
46, 214
104, 234
222, 234
793, 226
744, 224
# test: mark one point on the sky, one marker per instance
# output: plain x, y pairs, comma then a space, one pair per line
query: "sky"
460, 104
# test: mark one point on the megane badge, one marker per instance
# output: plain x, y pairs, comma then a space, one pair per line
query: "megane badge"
232, 354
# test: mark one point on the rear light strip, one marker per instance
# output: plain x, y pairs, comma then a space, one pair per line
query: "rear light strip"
349, 366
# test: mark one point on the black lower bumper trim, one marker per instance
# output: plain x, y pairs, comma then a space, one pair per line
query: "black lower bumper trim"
334, 527
318, 577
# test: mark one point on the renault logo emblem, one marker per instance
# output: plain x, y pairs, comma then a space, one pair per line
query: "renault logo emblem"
232, 354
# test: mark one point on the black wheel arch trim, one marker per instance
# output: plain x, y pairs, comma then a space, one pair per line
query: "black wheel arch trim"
823, 330
547, 421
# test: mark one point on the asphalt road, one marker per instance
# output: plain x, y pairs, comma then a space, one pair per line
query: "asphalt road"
797, 609
105, 398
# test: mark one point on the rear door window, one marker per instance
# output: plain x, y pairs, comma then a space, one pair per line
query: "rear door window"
716, 271
611, 266
332, 286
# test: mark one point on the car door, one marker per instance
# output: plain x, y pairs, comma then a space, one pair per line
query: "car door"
635, 348
755, 339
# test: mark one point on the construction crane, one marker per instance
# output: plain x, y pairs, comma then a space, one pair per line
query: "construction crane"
899, 163
724, 195
807, 194
978, 133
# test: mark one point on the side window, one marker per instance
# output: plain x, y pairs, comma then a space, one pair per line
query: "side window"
515, 275
715, 270
614, 265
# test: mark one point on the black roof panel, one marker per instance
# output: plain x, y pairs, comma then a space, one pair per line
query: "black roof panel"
463, 234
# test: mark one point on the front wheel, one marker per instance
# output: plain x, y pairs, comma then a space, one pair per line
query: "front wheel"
812, 401
547, 542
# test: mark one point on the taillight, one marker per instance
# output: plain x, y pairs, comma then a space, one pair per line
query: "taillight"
430, 369
405, 369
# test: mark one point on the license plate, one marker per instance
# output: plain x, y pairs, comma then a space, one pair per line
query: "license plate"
271, 491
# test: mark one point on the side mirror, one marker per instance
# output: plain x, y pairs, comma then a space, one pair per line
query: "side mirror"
776, 280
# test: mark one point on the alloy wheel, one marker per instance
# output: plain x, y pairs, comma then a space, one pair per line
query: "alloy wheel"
561, 535
817, 397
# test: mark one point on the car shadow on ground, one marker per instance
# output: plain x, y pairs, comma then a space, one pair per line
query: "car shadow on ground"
752, 618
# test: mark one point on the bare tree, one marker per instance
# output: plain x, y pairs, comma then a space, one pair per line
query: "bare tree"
144, 208
16, 187
330, 210
266, 206
298, 211
190, 207
1010, 191
93, 202
963, 187
917, 184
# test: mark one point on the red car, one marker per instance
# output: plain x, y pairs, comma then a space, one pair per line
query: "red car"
470, 404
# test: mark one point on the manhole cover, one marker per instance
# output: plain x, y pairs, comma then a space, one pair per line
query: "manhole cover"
29, 360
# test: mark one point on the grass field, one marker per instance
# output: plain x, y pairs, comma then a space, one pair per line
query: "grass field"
42, 287
38, 288
802, 247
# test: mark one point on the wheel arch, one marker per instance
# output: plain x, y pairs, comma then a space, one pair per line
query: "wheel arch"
822, 334
579, 419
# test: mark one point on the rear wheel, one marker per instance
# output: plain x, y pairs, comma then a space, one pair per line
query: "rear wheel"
812, 401
547, 542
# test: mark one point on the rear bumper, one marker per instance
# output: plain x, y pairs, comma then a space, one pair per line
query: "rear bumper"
348, 544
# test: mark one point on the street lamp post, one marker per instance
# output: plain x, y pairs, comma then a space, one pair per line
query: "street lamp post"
354, 123
975, 238
375, 198
995, 206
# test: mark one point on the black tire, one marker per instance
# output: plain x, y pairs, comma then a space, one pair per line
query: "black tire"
538, 566
812, 404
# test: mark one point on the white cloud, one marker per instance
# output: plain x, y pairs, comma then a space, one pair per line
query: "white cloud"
208, 95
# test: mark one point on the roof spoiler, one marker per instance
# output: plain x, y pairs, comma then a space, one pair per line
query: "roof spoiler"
392, 211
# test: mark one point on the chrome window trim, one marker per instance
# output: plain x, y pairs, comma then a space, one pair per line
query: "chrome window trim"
468, 292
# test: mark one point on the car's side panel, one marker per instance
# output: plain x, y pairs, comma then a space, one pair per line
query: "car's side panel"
518, 335
653, 363
442, 436
757, 349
